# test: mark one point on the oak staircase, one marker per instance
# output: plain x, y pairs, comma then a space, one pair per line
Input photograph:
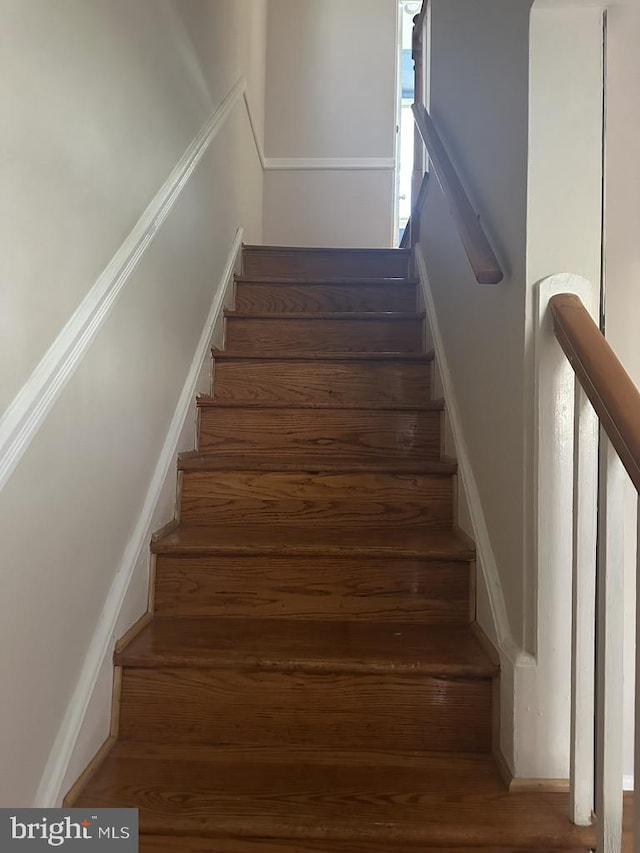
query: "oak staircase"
312, 679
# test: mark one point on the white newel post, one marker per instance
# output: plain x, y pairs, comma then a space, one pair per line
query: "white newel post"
565, 466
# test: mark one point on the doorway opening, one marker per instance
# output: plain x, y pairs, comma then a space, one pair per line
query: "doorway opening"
407, 10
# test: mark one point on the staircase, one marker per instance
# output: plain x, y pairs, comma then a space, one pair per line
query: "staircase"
312, 678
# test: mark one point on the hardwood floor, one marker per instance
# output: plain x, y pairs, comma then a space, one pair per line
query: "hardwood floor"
311, 680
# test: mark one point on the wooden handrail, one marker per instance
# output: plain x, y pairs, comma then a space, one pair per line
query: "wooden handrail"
422, 14
410, 233
418, 56
606, 383
481, 256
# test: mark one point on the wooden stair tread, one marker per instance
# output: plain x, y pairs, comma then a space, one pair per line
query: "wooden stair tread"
195, 461
292, 645
248, 248
206, 402
292, 355
279, 280
301, 541
305, 687
195, 844
300, 793
387, 316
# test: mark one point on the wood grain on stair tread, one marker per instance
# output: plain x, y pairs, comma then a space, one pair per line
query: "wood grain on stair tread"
301, 794
358, 281
306, 355
285, 695
319, 316
324, 335
281, 296
308, 646
194, 461
340, 710
322, 381
332, 432
627, 823
192, 844
336, 499
427, 592
382, 541
285, 261
206, 402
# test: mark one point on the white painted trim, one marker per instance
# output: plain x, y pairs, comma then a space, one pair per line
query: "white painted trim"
506, 643
103, 640
28, 410
544, 705
329, 164
583, 619
254, 130
311, 164
627, 783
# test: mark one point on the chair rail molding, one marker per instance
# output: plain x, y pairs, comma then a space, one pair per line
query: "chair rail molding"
313, 164
30, 407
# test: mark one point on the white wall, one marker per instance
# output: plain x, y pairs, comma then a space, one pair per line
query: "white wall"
478, 99
100, 100
330, 130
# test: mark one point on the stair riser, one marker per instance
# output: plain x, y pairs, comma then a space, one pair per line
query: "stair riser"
433, 593
260, 335
362, 434
321, 264
300, 498
355, 711
281, 298
322, 382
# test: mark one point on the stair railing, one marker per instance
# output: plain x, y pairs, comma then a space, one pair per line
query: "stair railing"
481, 256
418, 56
606, 443
419, 175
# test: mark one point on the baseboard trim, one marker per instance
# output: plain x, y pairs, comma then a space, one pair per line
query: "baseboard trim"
102, 643
506, 643
31, 406
92, 768
540, 786
522, 785
329, 164
132, 633
165, 530
254, 131
503, 768
487, 646
314, 164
